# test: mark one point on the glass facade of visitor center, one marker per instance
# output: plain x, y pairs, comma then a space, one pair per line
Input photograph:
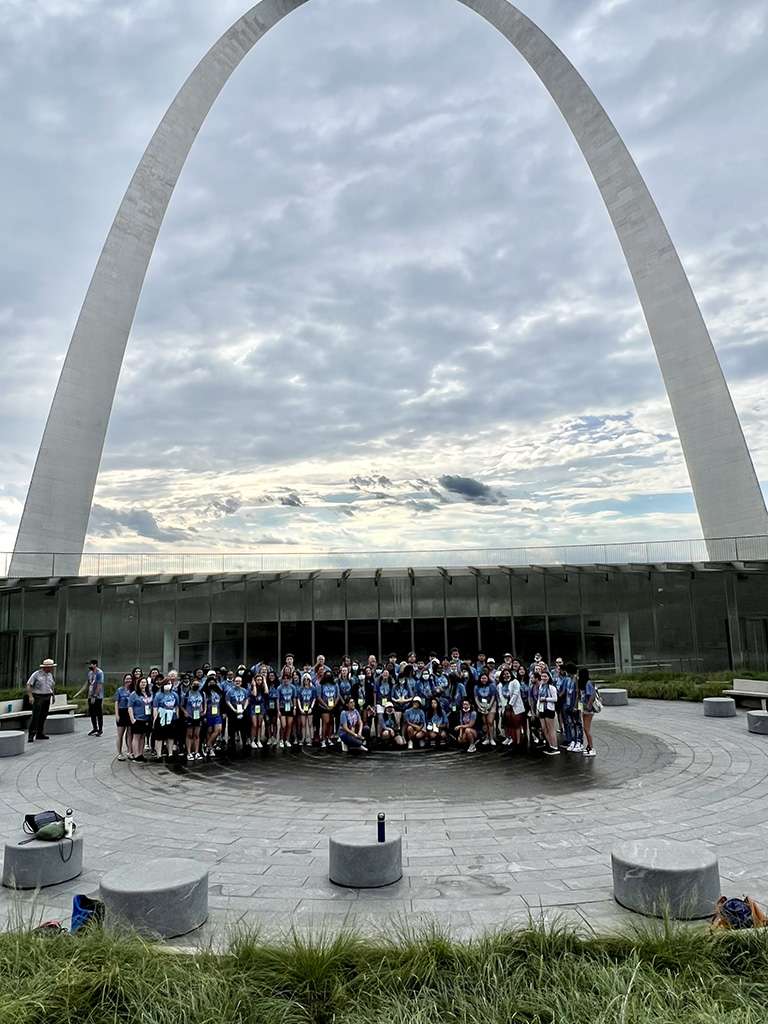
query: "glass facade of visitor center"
612, 617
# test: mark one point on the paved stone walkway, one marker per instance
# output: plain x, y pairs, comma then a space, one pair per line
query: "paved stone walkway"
489, 839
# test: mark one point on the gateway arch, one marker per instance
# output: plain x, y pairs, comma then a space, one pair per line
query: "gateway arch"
725, 486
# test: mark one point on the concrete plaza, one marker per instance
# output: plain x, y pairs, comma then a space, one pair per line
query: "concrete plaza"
489, 839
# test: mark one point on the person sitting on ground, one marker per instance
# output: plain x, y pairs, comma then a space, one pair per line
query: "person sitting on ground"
351, 728
388, 734
415, 723
466, 734
437, 723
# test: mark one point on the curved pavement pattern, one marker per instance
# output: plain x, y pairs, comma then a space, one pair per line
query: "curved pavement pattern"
489, 839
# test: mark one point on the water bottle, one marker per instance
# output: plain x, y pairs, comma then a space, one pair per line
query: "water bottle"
69, 825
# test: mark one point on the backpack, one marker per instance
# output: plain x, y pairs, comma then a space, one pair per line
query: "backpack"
34, 822
86, 912
597, 702
738, 914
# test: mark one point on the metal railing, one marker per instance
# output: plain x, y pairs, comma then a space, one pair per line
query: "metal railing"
729, 549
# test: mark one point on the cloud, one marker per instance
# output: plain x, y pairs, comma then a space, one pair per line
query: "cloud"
385, 264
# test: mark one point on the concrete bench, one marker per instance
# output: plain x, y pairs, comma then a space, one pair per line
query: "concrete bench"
165, 898
59, 725
757, 721
358, 861
13, 714
719, 707
12, 743
36, 864
663, 876
749, 689
613, 698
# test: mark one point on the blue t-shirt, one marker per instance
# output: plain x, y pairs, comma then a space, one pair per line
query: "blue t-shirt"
141, 706
238, 698
383, 690
307, 697
468, 718
169, 700
273, 697
439, 718
345, 688
455, 695
349, 718
257, 702
194, 704
96, 685
484, 694
570, 693
401, 694
588, 694
424, 687
415, 716
121, 696
329, 693
287, 693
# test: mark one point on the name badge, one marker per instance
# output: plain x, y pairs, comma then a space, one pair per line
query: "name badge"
305, 709
331, 702
214, 709
196, 713
239, 709
257, 709
361, 701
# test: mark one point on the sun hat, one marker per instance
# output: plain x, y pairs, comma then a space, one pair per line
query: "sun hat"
417, 698
48, 663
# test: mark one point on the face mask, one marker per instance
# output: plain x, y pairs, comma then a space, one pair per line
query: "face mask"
355, 668
465, 675
425, 675
195, 686
167, 687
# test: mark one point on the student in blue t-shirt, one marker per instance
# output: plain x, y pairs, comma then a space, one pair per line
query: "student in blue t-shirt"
568, 691
272, 713
415, 723
465, 731
258, 703
351, 727
238, 721
140, 717
485, 702
437, 723
287, 693
166, 705
327, 699
214, 717
389, 733
305, 706
383, 687
194, 710
586, 700
402, 695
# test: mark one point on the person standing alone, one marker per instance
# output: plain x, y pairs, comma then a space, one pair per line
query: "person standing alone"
41, 688
96, 698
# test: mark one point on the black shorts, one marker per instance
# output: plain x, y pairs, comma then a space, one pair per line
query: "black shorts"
140, 726
286, 714
123, 718
547, 714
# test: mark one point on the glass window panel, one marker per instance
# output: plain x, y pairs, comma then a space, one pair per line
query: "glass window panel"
530, 637
5, 601
428, 597
120, 628
157, 639
711, 614
330, 599
494, 596
396, 637
41, 610
263, 643
8, 660
395, 597
362, 599
528, 595
228, 602
598, 592
429, 637
565, 638
295, 600
462, 633
672, 598
194, 602
363, 639
751, 594
227, 644
496, 636
194, 654
461, 597
263, 601
330, 641
635, 602
83, 633
563, 595
14, 610
296, 639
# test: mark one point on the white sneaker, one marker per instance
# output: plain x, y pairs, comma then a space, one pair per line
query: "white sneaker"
571, 746
492, 742
344, 747
198, 757
589, 752
363, 747
282, 745
471, 748
323, 744
506, 742
578, 748
410, 744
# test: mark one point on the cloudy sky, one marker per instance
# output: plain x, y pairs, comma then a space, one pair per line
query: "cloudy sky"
387, 308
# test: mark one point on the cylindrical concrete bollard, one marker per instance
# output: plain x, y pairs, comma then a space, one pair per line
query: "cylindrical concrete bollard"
719, 707
614, 698
757, 722
358, 861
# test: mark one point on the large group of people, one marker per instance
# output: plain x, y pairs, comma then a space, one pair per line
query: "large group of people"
415, 703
